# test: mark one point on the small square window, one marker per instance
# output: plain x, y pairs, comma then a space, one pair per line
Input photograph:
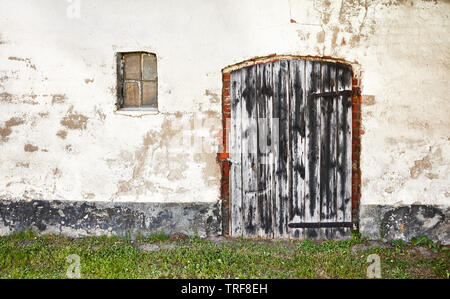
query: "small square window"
137, 81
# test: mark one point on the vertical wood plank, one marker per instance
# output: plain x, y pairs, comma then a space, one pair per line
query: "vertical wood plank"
276, 196
297, 132
340, 175
333, 149
324, 139
285, 153
261, 150
264, 112
326, 159
343, 171
249, 152
312, 184
268, 97
236, 154
348, 145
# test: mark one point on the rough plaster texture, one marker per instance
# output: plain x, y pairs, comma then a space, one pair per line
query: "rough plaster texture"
61, 138
81, 218
391, 222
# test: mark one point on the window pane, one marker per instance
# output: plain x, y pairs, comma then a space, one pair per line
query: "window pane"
149, 68
131, 94
133, 66
149, 94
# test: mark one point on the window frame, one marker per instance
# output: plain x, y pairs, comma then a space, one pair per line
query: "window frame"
121, 81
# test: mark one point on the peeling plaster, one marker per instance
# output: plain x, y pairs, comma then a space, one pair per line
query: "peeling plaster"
59, 99
62, 134
30, 148
6, 130
425, 164
74, 120
214, 97
27, 61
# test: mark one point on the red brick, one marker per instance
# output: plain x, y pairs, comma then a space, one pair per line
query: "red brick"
222, 156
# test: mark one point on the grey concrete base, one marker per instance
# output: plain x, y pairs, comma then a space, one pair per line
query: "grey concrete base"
78, 218
405, 222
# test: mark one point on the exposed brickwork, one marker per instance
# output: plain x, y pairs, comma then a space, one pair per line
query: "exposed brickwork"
223, 155
356, 145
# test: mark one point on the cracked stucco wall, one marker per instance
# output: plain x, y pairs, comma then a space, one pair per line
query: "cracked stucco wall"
60, 137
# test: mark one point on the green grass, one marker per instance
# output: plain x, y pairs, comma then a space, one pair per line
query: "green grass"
25, 255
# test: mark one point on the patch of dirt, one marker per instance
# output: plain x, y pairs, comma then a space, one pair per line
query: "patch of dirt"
218, 239
422, 251
178, 237
369, 245
423, 273
322, 274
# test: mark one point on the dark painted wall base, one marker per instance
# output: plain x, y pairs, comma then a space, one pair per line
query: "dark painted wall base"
78, 218
405, 222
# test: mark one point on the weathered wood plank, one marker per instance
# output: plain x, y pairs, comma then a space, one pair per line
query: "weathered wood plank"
340, 188
249, 152
347, 104
276, 184
261, 149
343, 170
324, 139
312, 145
268, 81
333, 152
284, 161
326, 159
236, 154
297, 132
265, 147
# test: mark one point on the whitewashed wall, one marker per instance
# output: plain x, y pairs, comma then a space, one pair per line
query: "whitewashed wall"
58, 76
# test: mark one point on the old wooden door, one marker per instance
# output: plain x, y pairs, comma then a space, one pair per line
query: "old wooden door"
290, 150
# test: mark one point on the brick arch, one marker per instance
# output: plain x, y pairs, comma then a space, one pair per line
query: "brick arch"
223, 154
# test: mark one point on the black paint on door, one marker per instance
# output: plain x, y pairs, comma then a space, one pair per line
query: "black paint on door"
290, 149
